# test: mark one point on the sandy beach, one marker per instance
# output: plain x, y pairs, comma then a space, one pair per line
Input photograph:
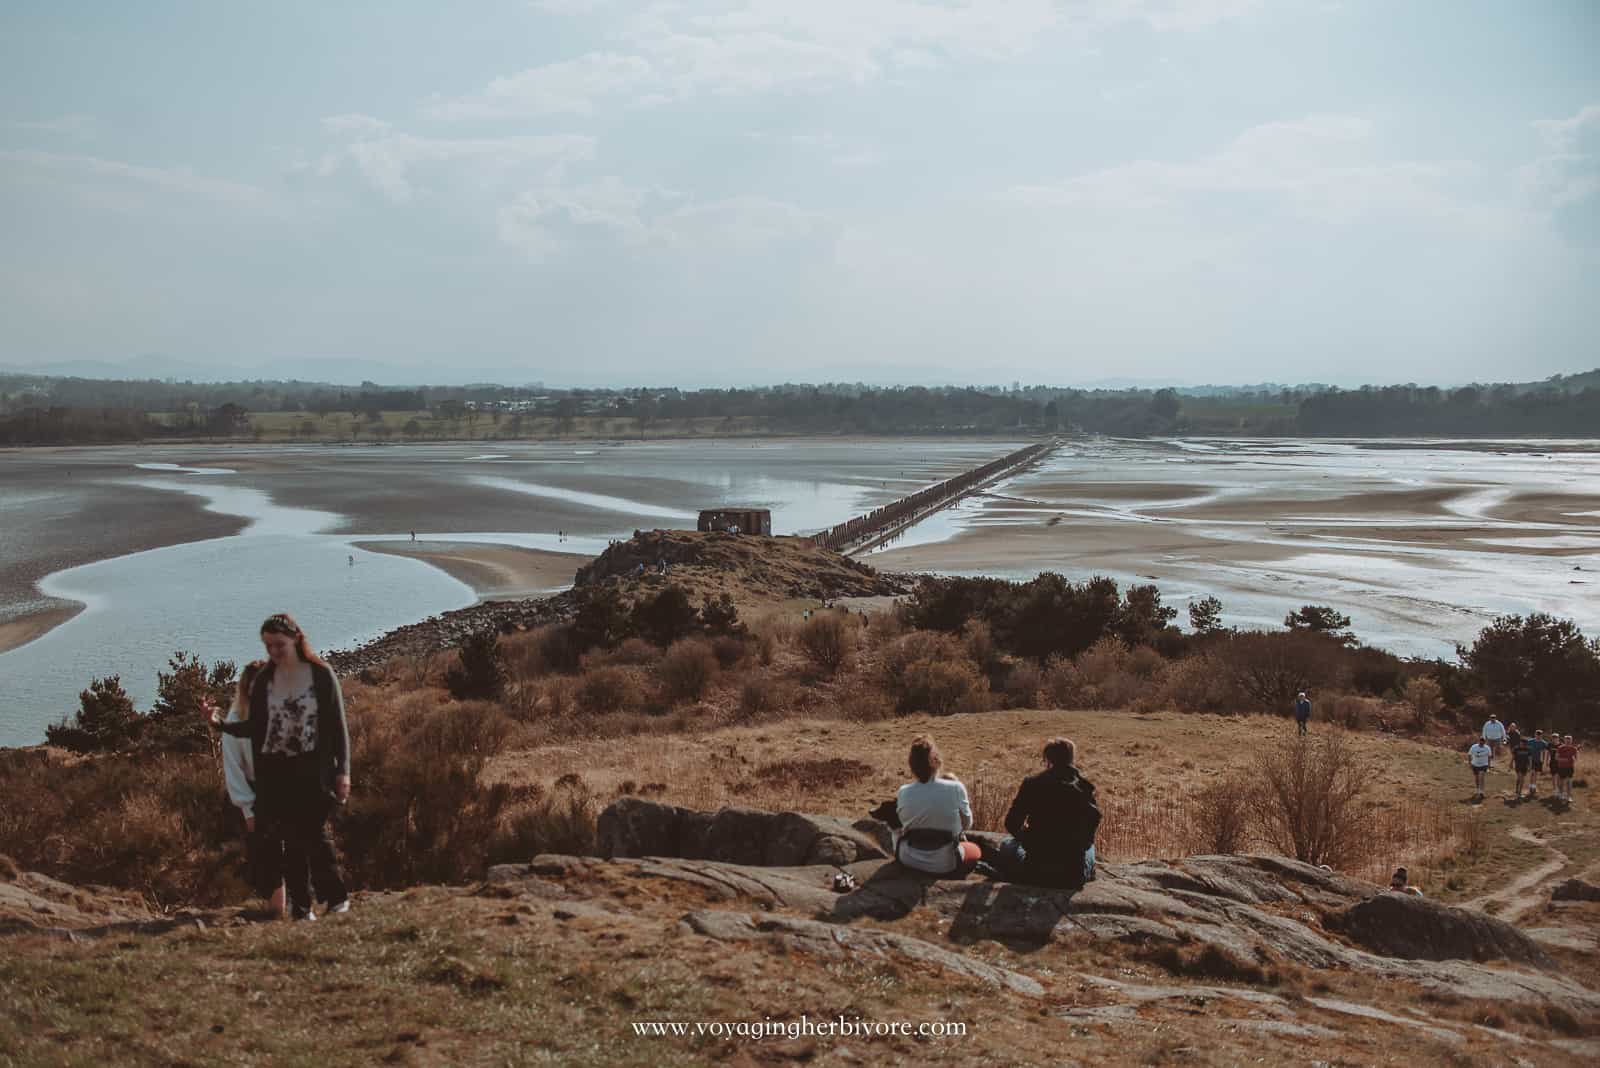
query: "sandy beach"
18, 632
495, 572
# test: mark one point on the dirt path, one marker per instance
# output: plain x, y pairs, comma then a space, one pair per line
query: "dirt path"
1520, 896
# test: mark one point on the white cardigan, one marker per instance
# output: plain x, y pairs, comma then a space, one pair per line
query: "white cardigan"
238, 767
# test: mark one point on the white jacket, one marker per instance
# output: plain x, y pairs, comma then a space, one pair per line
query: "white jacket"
1494, 730
940, 805
239, 767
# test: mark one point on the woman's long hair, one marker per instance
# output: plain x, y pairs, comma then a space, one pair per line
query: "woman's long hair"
283, 623
247, 683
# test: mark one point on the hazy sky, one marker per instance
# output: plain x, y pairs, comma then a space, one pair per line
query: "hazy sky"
586, 191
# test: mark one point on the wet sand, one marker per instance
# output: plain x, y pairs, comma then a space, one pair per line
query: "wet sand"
25, 628
495, 572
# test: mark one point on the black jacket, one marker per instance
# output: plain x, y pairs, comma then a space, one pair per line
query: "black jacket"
1055, 817
333, 733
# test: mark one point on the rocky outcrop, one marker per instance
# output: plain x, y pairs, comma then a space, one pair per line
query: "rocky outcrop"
830, 940
749, 566
1401, 925
1575, 890
634, 827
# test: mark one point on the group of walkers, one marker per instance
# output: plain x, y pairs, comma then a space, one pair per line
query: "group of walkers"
1050, 826
1530, 755
286, 761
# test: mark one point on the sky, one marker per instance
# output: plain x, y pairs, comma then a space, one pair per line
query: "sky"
590, 192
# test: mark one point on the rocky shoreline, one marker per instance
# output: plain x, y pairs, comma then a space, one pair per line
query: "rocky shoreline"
449, 629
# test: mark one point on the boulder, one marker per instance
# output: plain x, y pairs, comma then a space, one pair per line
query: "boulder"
1415, 928
1575, 890
634, 827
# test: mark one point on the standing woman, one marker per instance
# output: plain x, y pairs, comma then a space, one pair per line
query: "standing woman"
302, 758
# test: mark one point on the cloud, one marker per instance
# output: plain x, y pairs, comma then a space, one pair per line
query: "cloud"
671, 51
572, 86
1568, 170
543, 222
180, 181
390, 160
71, 125
1318, 166
355, 124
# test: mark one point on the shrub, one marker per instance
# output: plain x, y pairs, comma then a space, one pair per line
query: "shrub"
1423, 698
729, 649
828, 640
665, 616
599, 622
422, 813
1023, 681
105, 721
1197, 684
480, 672
1269, 669
941, 687
635, 651
686, 670
719, 615
1309, 801
981, 648
609, 689
1220, 815
560, 821
1107, 675
762, 694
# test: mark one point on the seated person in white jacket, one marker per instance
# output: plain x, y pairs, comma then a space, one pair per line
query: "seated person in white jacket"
264, 854
934, 811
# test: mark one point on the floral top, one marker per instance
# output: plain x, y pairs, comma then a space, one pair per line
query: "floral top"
291, 716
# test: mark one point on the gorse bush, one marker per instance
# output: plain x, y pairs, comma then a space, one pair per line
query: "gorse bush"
609, 689
480, 673
664, 617
828, 639
687, 670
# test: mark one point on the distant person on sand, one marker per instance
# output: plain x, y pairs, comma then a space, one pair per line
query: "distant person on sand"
300, 744
1494, 732
1520, 757
1400, 883
1564, 766
1052, 824
413, 535
1479, 757
263, 854
1537, 748
1302, 711
934, 811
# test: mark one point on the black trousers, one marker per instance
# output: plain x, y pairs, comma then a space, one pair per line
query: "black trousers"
292, 811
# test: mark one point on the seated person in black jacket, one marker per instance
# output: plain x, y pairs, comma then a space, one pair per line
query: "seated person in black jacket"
1052, 824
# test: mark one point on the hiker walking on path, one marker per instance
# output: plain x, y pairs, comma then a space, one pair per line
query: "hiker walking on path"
1302, 711
934, 811
1565, 764
300, 745
1537, 748
1494, 732
1521, 757
1052, 824
1479, 758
